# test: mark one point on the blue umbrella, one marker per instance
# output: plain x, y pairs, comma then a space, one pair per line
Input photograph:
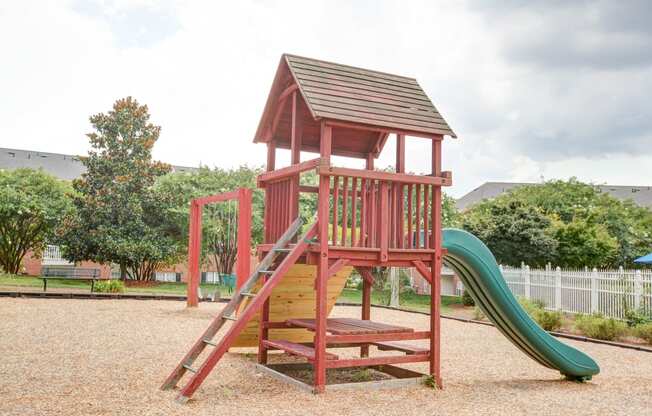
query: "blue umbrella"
647, 259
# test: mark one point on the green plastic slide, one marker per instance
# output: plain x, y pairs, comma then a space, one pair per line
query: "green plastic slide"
477, 267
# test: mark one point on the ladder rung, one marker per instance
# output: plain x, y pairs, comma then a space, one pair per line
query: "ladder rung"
209, 342
248, 294
189, 368
230, 318
283, 250
266, 271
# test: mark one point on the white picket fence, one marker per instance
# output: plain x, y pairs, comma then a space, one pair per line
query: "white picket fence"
610, 292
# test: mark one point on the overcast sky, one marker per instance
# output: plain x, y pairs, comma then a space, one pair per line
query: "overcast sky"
533, 89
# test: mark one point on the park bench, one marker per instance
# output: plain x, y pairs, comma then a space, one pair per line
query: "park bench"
69, 273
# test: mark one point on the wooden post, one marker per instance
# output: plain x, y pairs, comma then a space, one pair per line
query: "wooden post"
367, 280
370, 161
435, 270
267, 219
321, 306
194, 250
244, 236
295, 143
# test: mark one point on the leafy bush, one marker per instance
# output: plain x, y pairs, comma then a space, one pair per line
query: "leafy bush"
644, 331
467, 300
549, 320
636, 317
478, 315
109, 286
599, 327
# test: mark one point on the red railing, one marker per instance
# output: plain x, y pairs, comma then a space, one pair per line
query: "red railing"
381, 210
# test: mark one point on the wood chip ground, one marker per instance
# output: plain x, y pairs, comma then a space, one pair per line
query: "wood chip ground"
108, 357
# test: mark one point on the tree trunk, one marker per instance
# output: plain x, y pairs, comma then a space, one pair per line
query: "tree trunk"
123, 272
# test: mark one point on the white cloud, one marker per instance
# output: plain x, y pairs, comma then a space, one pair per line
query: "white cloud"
205, 68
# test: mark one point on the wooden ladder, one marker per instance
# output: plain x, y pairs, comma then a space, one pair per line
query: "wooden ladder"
239, 322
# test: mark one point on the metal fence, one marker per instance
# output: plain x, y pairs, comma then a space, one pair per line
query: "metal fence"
610, 292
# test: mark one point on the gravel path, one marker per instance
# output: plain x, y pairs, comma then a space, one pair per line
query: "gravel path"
107, 357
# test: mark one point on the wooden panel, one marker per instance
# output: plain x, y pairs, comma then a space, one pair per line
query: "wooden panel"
294, 297
377, 121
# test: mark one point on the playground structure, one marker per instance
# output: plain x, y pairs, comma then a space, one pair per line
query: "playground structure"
365, 218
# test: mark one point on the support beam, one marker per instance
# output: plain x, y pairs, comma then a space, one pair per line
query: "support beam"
194, 250
435, 287
423, 270
337, 266
367, 282
244, 235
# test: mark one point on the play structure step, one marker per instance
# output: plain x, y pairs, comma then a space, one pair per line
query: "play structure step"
248, 294
211, 343
399, 346
265, 271
189, 368
283, 250
230, 318
296, 349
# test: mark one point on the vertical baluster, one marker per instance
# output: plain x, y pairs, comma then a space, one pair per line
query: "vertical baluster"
410, 238
391, 200
401, 216
426, 238
345, 206
417, 225
372, 214
364, 195
336, 195
354, 208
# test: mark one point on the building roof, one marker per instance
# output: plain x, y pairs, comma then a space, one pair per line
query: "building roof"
347, 94
641, 195
62, 166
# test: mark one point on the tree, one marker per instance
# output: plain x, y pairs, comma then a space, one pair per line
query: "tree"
513, 231
582, 244
119, 215
219, 227
32, 203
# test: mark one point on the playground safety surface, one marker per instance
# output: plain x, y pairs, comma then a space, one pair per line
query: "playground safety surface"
106, 357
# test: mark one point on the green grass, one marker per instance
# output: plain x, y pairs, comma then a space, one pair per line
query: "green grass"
165, 288
407, 300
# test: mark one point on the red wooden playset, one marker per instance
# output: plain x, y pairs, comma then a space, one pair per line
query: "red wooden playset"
364, 218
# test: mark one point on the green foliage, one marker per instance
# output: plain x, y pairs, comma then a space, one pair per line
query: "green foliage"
644, 331
450, 216
429, 381
32, 204
109, 286
513, 231
467, 299
120, 218
219, 227
548, 320
478, 315
636, 317
587, 227
362, 375
599, 327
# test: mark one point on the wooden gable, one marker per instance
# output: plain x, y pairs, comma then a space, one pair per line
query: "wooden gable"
380, 102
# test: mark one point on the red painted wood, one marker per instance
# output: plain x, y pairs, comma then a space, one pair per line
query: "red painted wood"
391, 359
286, 92
337, 266
336, 201
244, 318
385, 176
423, 270
263, 329
364, 214
398, 336
244, 235
410, 241
399, 346
401, 216
345, 212
297, 349
366, 304
354, 211
435, 288
194, 251
373, 206
426, 235
384, 222
289, 171
417, 220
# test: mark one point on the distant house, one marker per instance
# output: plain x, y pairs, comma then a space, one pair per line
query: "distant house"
69, 167
642, 195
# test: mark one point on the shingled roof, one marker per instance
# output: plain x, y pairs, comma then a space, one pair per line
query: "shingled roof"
346, 94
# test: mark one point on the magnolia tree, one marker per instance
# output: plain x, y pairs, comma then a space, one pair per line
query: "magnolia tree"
120, 218
32, 204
